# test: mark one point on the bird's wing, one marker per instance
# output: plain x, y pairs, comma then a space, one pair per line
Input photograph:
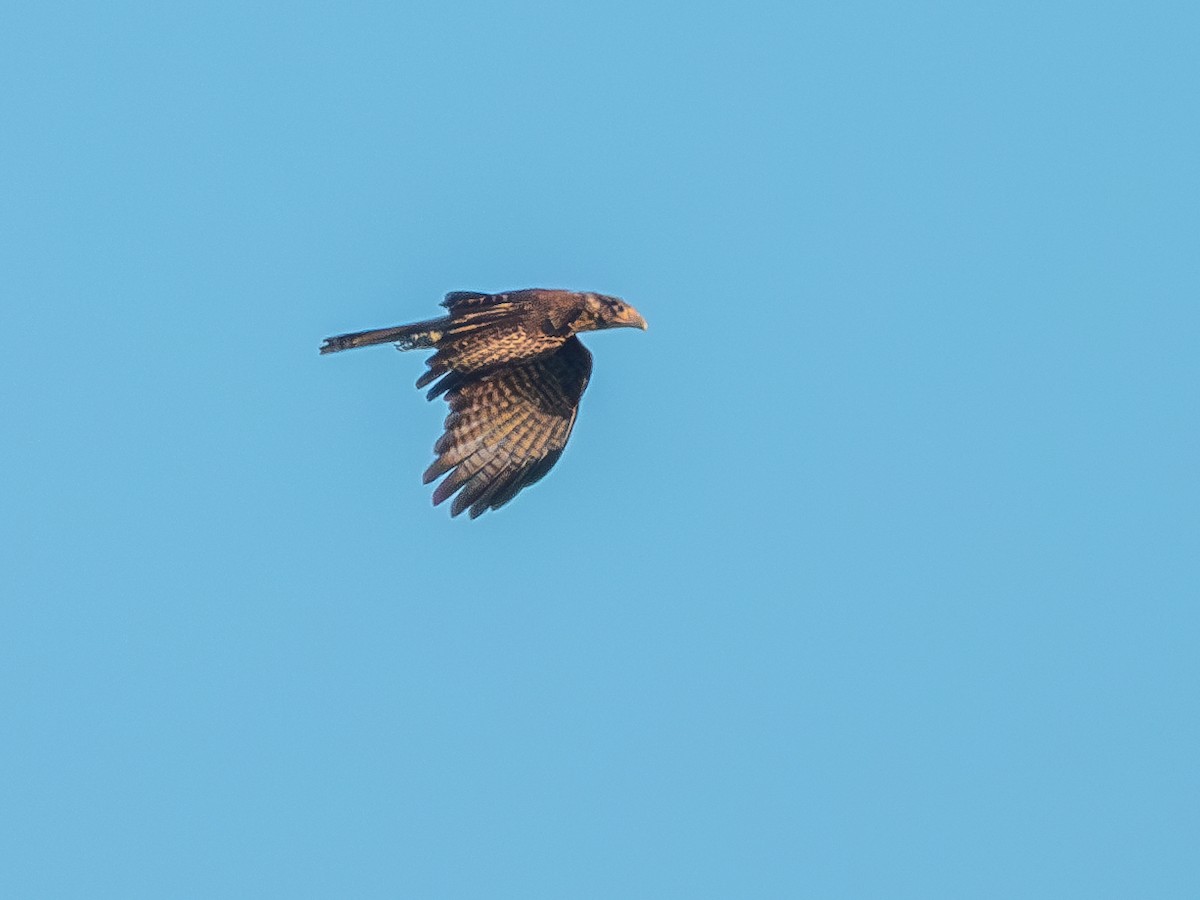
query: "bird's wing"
483, 331
507, 428
470, 301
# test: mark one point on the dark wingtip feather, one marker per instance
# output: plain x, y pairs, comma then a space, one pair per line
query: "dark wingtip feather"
464, 500
450, 381
473, 487
443, 491
436, 469
431, 375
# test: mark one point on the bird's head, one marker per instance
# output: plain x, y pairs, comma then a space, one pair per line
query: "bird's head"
612, 312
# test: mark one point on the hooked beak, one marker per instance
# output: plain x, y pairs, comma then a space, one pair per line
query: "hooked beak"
630, 318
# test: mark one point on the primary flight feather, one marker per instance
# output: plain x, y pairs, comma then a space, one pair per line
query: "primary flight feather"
513, 372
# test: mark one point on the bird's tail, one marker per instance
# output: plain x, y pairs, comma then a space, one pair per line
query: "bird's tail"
406, 337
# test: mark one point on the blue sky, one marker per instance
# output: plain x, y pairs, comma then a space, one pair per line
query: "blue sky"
870, 570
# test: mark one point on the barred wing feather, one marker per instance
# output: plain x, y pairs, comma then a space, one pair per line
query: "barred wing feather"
507, 428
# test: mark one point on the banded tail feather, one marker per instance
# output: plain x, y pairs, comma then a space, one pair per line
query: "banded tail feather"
417, 336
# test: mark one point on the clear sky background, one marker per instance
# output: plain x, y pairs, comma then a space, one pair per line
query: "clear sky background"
870, 570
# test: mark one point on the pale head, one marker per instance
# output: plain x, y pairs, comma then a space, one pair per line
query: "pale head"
612, 312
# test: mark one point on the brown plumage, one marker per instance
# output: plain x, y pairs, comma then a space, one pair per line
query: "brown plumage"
513, 373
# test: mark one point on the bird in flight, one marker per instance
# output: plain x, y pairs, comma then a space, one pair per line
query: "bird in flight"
513, 371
